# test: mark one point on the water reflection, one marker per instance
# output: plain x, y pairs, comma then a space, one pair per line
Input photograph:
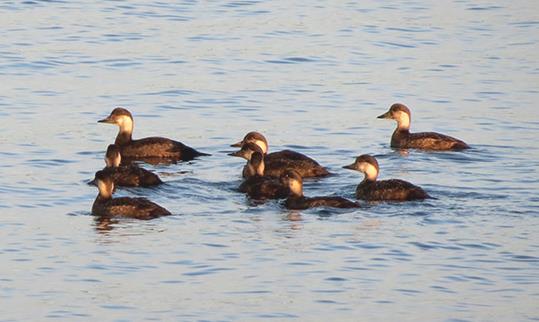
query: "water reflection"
104, 224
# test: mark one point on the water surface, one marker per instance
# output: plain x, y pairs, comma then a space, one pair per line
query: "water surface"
311, 76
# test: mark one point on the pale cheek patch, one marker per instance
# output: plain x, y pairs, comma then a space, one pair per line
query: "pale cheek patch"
262, 146
117, 160
369, 170
403, 120
248, 154
113, 161
104, 189
125, 123
295, 187
361, 167
260, 169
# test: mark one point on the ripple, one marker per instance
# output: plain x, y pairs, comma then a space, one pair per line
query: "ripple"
207, 271
524, 258
393, 44
336, 279
484, 8
117, 307
172, 93
277, 315
312, 77
293, 60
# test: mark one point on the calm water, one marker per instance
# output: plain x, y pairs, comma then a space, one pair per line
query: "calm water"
312, 76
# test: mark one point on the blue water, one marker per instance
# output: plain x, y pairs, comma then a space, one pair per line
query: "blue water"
311, 76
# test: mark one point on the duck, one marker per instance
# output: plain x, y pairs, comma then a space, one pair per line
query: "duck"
146, 148
384, 190
297, 201
277, 162
107, 206
129, 175
403, 139
246, 152
257, 185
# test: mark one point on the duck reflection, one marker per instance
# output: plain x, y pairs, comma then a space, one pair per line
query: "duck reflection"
104, 224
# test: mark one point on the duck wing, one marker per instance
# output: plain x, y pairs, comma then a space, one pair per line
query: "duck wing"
434, 141
264, 188
159, 147
139, 208
332, 201
395, 189
278, 162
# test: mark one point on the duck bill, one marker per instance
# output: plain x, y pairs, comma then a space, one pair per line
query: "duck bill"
236, 154
386, 115
349, 167
108, 120
237, 145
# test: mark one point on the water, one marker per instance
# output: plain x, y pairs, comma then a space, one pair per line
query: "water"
312, 76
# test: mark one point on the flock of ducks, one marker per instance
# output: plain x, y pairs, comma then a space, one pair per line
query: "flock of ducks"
276, 175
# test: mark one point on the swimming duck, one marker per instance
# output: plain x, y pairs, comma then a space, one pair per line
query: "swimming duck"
246, 152
373, 190
151, 147
105, 205
259, 186
402, 138
129, 175
296, 199
278, 162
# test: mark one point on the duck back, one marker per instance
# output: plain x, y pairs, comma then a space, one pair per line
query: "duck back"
158, 147
394, 189
139, 208
426, 141
294, 202
278, 162
132, 176
263, 187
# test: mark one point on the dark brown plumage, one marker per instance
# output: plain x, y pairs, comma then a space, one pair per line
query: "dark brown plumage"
105, 205
263, 188
426, 141
151, 147
280, 161
133, 176
393, 189
296, 199
129, 175
313, 202
402, 138
372, 190
259, 186
138, 208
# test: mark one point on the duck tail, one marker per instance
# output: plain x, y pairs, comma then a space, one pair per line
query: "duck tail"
201, 154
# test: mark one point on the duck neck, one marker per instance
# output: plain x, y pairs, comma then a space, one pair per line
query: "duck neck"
260, 169
263, 146
371, 173
126, 130
252, 170
403, 122
296, 188
113, 162
249, 170
105, 190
